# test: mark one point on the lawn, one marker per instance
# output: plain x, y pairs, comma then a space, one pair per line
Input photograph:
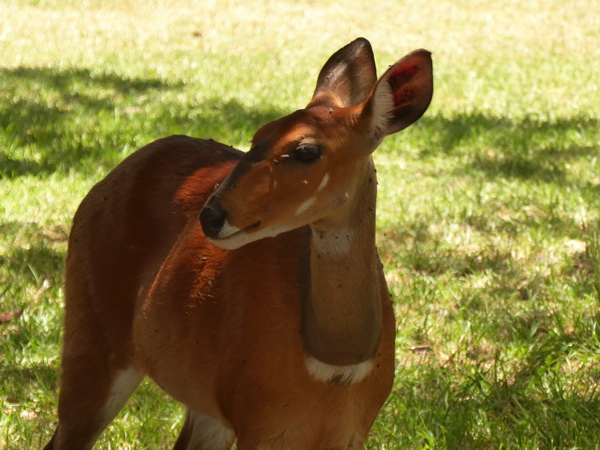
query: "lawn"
488, 213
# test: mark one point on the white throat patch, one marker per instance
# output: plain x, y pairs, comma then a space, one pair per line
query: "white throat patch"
333, 243
327, 372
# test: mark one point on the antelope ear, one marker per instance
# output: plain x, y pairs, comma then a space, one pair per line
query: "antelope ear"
402, 94
348, 76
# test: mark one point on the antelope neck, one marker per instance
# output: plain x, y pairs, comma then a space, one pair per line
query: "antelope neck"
342, 308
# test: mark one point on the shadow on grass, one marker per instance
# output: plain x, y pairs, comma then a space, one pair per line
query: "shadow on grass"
65, 81
430, 406
426, 254
73, 117
42, 255
451, 133
20, 380
34, 263
55, 120
483, 149
532, 148
41, 109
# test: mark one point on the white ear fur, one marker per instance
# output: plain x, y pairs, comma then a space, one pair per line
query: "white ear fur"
383, 105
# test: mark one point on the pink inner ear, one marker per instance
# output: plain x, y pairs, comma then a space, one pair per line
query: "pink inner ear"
402, 74
404, 96
398, 80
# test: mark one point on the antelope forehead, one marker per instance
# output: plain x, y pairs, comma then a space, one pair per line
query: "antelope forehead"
292, 127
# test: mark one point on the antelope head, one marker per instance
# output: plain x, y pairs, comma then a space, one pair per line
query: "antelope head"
305, 167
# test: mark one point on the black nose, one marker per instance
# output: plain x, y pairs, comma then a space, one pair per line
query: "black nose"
212, 220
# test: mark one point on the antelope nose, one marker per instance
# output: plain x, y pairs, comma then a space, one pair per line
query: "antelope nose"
212, 221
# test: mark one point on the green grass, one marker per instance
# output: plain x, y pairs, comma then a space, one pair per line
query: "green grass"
489, 208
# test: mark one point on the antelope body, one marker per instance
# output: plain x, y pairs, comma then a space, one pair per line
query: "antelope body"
247, 286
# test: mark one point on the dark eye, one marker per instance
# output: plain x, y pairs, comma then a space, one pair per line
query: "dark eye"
306, 153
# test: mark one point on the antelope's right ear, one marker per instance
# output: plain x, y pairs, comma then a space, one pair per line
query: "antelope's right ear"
401, 95
348, 77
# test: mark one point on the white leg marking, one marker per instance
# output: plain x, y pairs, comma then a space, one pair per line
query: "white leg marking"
208, 433
324, 182
123, 386
304, 206
326, 372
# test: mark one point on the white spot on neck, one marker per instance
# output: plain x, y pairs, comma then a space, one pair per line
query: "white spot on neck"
327, 372
305, 205
333, 242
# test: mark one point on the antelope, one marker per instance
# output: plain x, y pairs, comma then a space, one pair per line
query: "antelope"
246, 285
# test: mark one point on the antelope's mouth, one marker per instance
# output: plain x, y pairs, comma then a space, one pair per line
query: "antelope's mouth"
256, 225
231, 238
216, 225
228, 232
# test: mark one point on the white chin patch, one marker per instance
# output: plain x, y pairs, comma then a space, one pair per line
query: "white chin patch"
230, 243
241, 237
345, 374
227, 230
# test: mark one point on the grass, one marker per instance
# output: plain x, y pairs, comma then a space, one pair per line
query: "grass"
489, 207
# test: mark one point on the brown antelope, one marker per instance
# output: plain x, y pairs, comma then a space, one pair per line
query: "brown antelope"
269, 317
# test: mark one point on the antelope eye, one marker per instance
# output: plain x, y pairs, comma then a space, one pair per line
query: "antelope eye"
306, 153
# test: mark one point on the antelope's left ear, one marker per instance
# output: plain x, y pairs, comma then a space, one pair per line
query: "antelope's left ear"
348, 77
401, 95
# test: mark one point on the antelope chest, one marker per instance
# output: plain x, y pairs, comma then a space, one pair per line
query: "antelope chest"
233, 350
